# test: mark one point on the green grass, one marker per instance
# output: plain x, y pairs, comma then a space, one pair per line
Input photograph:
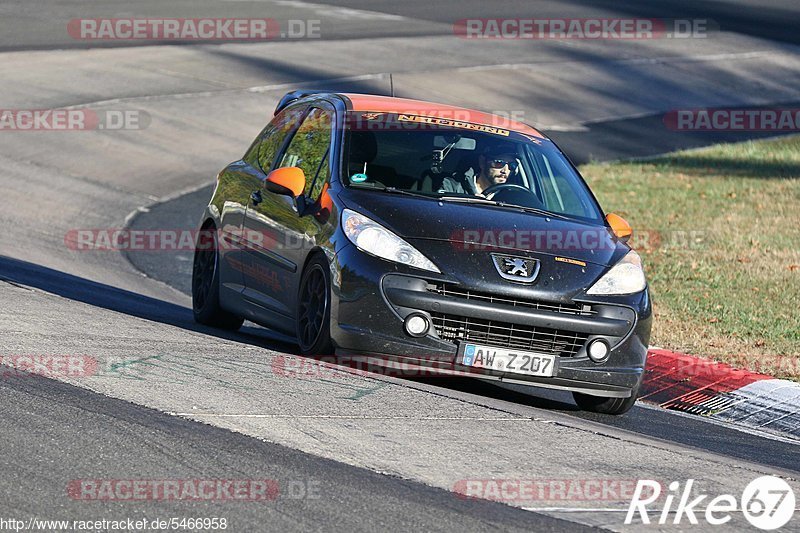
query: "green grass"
719, 233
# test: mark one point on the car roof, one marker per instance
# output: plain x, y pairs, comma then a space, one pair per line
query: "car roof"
389, 104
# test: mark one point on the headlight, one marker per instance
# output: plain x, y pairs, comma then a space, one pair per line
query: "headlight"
626, 277
373, 238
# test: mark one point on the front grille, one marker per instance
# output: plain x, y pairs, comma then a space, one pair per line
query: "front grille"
455, 291
508, 335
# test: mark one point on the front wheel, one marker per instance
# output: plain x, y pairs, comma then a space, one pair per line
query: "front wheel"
205, 284
314, 309
606, 405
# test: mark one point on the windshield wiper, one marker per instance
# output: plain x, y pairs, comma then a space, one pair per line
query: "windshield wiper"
468, 199
536, 210
462, 199
486, 201
393, 190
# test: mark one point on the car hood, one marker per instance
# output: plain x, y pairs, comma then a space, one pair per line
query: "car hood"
486, 228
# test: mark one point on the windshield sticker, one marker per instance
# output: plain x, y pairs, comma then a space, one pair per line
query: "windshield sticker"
358, 178
452, 123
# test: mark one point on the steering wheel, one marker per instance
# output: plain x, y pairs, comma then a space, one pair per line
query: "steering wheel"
494, 189
513, 194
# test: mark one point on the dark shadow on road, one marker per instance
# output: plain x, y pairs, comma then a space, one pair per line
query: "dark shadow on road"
647, 137
777, 23
304, 77
538, 398
123, 301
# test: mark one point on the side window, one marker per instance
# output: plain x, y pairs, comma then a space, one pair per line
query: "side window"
308, 150
560, 196
276, 133
558, 190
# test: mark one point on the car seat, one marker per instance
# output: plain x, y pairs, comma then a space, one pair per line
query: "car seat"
364, 149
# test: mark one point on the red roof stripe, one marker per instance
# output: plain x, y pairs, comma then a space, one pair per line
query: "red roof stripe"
386, 104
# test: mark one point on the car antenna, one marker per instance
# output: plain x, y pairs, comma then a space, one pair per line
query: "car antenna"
391, 85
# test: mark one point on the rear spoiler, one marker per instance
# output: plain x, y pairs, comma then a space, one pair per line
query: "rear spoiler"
290, 97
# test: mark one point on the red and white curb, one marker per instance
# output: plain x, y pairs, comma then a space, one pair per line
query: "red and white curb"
703, 387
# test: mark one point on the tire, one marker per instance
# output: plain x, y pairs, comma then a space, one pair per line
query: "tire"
205, 284
313, 320
606, 405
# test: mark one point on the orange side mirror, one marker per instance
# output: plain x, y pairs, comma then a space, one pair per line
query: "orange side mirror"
620, 227
289, 181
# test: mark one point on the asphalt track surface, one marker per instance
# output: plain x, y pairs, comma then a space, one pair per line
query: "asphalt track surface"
358, 500
384, 452
39, 25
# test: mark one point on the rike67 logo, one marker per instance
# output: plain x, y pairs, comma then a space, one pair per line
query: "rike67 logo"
767, 503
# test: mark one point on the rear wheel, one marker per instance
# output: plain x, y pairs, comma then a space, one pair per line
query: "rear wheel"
314, 309
205, 284
606, 405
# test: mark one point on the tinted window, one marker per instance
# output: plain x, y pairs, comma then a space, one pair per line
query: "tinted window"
276, 133
457, 158
308, 150
562, 191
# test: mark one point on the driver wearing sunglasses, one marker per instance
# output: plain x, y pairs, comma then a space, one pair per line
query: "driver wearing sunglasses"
496, 167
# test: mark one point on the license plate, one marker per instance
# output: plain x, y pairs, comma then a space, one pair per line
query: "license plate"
507, 360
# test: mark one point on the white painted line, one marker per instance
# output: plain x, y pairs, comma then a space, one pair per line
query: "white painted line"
577, 127
343, 13
697, 510
349, 417
284, 86
631, 61
574, 510
256, 89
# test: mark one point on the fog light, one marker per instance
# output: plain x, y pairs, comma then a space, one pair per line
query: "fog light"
598, 350
417, 325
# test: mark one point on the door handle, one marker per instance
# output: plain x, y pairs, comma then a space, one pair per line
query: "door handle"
256, 198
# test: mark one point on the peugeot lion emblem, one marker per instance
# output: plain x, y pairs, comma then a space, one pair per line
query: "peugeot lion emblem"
522, 269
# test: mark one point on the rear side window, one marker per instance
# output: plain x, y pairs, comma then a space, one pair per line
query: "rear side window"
309, 148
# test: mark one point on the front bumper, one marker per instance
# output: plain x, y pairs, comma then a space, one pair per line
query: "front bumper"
372, 297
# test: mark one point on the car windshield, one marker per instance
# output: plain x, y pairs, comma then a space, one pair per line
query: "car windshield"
462, 161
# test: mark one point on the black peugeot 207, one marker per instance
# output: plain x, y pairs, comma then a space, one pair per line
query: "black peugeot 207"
436, 237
